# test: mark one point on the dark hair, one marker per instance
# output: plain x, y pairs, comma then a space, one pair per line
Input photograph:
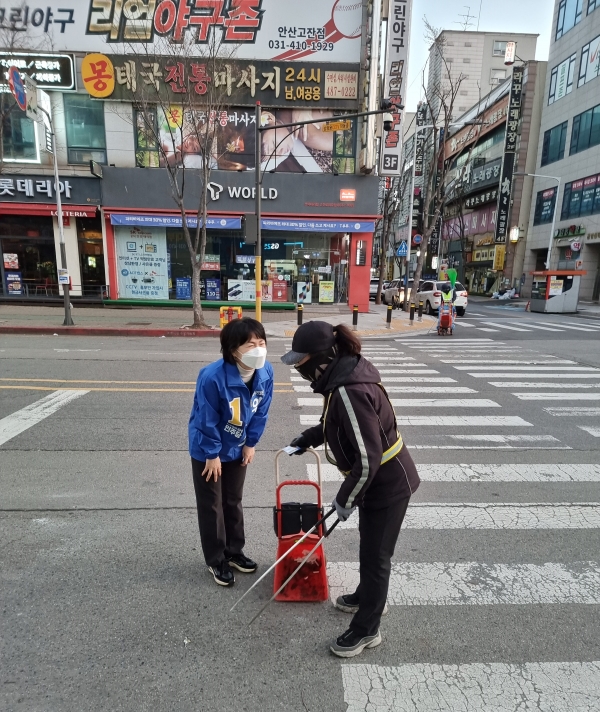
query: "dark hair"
346, 342
236, 333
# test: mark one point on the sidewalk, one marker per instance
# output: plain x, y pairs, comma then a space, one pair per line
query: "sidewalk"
16, 319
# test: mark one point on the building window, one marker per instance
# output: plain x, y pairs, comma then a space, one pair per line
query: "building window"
561, 79
19, 136
581, 198
146, 145
589, 67
569, 14
586, 130
497, 76
593, 5
84, 122
554, 144
467, 60
544, 206
499, 49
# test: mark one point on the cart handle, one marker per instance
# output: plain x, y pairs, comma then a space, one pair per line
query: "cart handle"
314, 452
303, 483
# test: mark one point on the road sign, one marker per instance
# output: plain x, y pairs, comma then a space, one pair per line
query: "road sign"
417, 239
17, 87
337, 126
32, 98
402, 250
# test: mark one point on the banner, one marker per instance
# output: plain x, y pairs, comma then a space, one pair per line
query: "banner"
510, 147
395, 83
304, 292
183, 288
142, 269
213, 289
325, 30
326, 292
14, 284
280, 287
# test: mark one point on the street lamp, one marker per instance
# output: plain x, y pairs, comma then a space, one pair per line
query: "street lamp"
557, 179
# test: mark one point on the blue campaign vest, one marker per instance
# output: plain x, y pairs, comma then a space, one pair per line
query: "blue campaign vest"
226, 415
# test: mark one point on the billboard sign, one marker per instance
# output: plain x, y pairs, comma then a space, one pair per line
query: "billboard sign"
326, 30
48, 71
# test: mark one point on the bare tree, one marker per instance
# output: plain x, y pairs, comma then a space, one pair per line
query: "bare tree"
179, 132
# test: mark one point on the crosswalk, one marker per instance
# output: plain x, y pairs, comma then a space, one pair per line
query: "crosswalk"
457, 417
527, 325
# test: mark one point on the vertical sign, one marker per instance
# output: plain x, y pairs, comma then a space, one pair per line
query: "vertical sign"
420, 120
510, 147
396, 79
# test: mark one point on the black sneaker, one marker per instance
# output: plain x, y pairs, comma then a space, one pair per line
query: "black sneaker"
222, 574
349, 604
350, 644
242, 563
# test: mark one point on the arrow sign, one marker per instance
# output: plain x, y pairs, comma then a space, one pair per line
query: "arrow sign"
15, 82
402, 250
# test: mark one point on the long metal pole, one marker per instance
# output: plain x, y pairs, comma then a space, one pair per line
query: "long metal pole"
551, 243
68, 321
257, 199
411, 198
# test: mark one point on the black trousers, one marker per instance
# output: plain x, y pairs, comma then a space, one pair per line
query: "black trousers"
379, 530
220, 513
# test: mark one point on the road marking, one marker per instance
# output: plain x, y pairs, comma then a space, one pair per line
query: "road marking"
557, 396
417, 379
505, 516
572, 411
506, 374
429, 389
16, 423
462, 421
489, 447
503, 326
504, 362
575, 328
146, 383
463, 323
481, 328
592, 431
533, 384
483, 473
481, 340
472, 583
496, 438
542, 328
473, 687
567, 370
407, 371
444, 403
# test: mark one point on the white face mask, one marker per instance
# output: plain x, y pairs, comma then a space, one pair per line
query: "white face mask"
255, 358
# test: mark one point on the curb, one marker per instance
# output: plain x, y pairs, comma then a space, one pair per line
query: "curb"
106, 331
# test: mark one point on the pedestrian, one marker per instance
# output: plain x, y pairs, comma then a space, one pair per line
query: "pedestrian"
358, 429
228, 419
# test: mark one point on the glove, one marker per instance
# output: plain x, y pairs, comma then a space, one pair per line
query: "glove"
343, 513
300, 442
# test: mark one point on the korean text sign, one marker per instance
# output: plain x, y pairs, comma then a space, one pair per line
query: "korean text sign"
142, 268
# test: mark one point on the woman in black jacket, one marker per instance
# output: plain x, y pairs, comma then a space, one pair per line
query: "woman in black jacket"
359, 432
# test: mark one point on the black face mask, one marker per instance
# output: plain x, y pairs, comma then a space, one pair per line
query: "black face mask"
316, 365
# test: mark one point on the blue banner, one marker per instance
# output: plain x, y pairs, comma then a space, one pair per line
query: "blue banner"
213, 289
183, 288
174, 221
317, 225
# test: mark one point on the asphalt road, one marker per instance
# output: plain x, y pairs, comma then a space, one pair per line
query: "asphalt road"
495, 592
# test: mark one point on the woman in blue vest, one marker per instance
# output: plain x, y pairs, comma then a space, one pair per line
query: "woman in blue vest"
228, 418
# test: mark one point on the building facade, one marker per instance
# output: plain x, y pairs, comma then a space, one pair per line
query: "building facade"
117, 100
569, 151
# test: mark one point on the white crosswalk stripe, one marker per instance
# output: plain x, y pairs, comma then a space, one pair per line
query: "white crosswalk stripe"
592, 431
538, 384
573, 411
470, 687
515, 367
508, 374
557, 396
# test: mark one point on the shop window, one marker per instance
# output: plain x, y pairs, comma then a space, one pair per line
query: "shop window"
497, 76
84, 122
554, 144
561, 79
19, 134
499, 48
581, 198
146, 145
586, 130
27, 249
344, 150
589, 66
544, 206
569, 14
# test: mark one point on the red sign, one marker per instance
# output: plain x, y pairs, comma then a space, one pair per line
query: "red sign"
280, 287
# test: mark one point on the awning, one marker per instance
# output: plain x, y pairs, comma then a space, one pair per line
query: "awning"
173, 221
317, 225
68, 211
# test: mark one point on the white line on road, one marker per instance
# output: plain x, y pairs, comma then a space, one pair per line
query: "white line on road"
505, 516
487, 421
544, 374
16, 423
573, 411
418, 379
481, 328
440, 403
496, 438
592, 431
557, 396
575, 328
472, 583
408, 371
566, 369
503, 326
428, 389
542, 328
532, 384
473, 687
503, 362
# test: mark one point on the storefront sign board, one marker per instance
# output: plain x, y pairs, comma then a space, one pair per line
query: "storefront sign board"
213, 289
316, 225
326, 290
556, 287
142, 263
19, 188
280, 287
48, 71
183, 288
174, 221
14, 284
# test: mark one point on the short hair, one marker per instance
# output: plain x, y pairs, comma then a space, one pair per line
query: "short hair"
236, 333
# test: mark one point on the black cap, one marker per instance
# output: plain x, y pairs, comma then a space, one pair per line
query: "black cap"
310, 338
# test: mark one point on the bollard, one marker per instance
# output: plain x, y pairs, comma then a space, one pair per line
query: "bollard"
420, 313
300, 313
355, 317
412, 314
388, 317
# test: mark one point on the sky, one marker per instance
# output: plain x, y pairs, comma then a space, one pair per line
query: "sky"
496, 16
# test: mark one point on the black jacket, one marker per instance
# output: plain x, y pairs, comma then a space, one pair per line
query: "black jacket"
359, 426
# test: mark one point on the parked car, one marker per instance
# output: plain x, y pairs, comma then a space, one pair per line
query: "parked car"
395, 289
431, 294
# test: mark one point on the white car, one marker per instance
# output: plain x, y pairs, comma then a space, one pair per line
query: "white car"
395, 289
430, 293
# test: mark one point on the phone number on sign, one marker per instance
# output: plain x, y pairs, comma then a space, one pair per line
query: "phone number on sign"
311, 44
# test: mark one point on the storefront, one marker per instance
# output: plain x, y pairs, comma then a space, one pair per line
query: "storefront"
317, 233
30, 240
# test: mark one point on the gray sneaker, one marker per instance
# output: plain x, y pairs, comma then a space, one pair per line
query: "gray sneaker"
349, 604
350, 644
